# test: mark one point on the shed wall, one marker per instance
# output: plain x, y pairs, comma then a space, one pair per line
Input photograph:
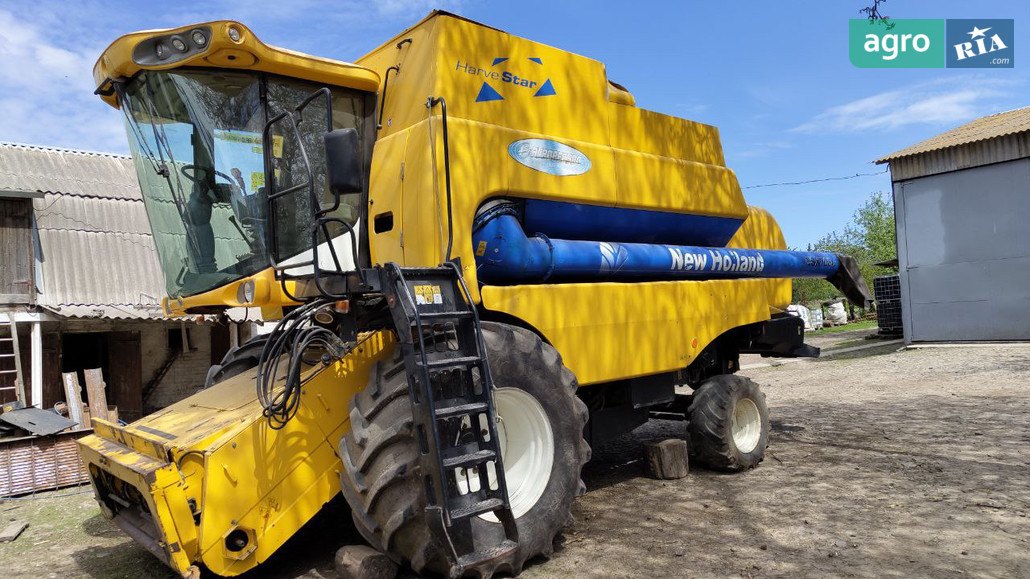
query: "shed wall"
964, 253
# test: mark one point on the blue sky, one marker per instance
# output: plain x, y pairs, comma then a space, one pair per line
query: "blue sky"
774, 77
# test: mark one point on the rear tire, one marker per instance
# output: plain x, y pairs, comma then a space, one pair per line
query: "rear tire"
728, 423
237, 360
381, 479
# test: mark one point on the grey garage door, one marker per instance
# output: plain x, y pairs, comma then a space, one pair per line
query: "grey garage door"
964, 252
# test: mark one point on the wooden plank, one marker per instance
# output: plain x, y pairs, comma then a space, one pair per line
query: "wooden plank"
12, 531
95, 392
73, 396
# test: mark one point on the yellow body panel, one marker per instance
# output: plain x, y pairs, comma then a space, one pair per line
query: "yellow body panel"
216, 449
267, 291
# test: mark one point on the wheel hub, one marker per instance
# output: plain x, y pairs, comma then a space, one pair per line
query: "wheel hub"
527, 451
746, 425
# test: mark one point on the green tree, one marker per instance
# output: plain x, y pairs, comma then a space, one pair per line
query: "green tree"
869, 238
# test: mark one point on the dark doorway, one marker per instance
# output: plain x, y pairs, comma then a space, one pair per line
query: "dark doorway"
84, 351
117, 354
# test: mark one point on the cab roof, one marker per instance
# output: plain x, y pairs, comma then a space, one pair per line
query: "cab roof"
222, 44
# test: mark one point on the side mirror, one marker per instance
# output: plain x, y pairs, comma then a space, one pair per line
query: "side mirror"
343, 161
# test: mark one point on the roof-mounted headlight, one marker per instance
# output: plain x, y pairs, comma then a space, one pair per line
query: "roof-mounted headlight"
169, 48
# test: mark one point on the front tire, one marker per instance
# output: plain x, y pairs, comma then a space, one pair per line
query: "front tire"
237, 360
728, 423
381, 480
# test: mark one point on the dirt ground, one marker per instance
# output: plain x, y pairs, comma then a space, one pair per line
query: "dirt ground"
881, 463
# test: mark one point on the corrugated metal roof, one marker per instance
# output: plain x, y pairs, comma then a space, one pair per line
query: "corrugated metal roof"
989, 127
98, 256
60, 211
92, 268
28, 168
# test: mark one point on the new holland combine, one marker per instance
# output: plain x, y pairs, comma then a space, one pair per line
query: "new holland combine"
482, 257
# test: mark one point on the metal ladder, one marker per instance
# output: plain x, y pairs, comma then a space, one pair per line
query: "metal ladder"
453, 411
15, 353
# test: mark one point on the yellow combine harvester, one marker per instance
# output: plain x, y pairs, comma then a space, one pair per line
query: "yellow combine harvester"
482, 257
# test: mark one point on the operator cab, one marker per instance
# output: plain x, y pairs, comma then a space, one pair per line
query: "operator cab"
204, 150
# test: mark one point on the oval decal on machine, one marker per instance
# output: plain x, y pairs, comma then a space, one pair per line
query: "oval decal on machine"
549, 157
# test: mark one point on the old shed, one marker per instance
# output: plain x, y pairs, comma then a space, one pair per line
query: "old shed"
82, 281
962, 202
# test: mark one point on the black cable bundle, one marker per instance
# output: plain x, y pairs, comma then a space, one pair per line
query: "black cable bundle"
294, 335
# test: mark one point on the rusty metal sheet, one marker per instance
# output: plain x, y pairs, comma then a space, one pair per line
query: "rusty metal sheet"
32, 463
37, 421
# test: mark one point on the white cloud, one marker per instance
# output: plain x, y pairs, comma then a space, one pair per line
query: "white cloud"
761, 149
690, 110
47, 81
48, 92
939, 102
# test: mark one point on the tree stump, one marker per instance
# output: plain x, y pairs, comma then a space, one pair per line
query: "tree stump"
361, 562
666, 459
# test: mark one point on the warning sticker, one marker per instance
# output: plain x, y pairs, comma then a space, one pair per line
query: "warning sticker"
481, 249
428, 295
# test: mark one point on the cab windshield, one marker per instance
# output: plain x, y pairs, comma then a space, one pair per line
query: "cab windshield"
195, 137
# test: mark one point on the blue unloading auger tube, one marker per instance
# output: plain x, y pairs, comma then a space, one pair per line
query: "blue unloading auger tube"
505, 255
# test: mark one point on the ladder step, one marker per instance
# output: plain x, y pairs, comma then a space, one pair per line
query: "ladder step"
8, 371
477, 508
6, 339
449, 362
461, 409
472, 560
471, 459
6, 355
438, 315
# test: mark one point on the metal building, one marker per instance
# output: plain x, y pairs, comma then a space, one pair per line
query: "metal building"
962, 207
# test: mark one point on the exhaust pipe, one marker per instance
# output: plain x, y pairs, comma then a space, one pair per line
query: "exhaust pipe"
505, 255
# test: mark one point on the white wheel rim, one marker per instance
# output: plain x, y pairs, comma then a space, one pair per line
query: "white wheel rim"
527, 451
746, 425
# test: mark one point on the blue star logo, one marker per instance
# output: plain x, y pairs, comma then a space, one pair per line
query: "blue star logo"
488, 93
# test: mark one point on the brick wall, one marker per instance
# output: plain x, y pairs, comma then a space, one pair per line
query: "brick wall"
186, 375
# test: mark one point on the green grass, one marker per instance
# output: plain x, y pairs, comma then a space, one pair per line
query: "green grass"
863, 325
